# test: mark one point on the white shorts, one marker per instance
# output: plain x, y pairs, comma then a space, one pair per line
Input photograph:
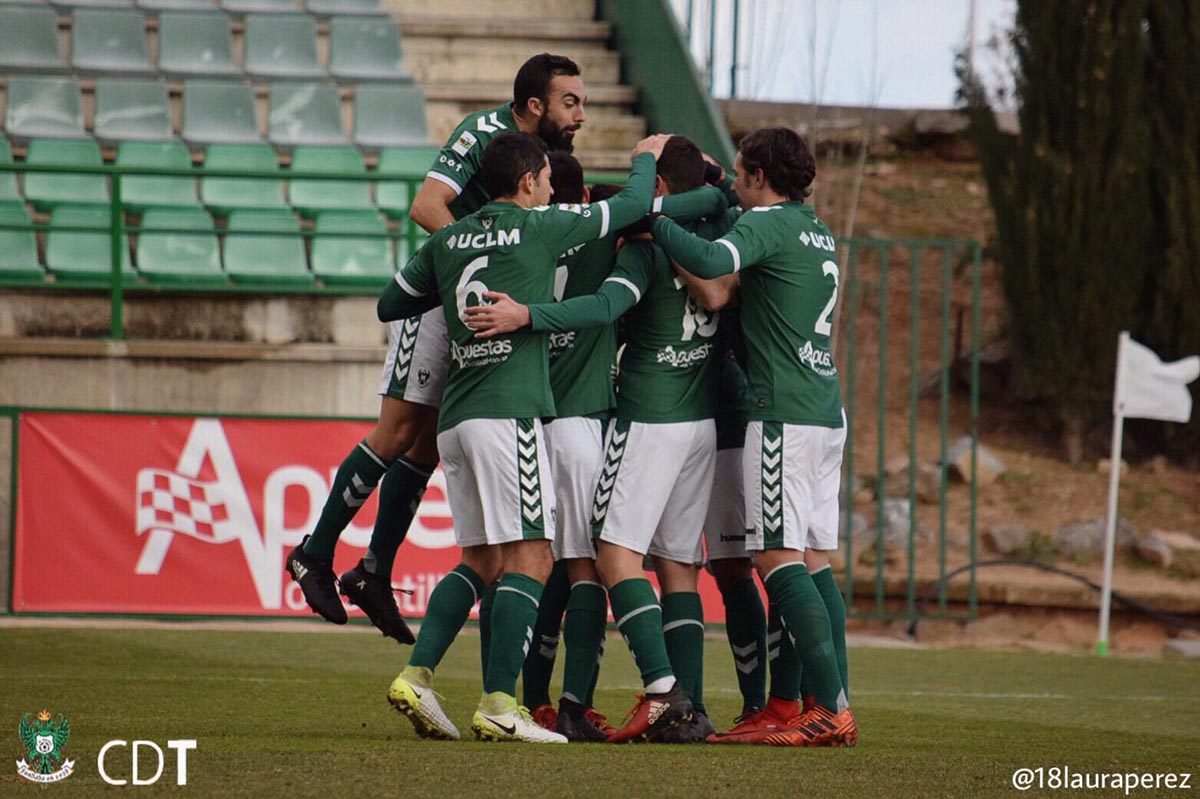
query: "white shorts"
576, 447
792, 476
498, 481
654, 488
725, 525
418, 359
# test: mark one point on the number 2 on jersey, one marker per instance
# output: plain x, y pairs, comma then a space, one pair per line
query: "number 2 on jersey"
824, 326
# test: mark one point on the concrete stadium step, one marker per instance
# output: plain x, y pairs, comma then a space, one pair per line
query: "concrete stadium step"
484, 10
576, 32
446, 59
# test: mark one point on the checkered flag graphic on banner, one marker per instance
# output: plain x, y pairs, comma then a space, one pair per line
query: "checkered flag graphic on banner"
177, 504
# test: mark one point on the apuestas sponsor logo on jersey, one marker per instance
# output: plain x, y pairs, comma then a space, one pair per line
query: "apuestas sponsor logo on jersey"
821, 242
480, 353
684, 358
562, 341
481, 241
819, 361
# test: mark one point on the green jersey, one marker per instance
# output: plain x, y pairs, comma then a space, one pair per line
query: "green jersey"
458, 163
503, 247
731, 404
789, 288
583, 357
582, 361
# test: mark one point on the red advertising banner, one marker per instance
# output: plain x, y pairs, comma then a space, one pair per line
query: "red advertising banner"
180, 515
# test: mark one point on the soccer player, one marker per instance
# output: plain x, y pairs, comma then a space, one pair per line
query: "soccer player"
490, 432
653, 489
796, 433
581, 367
548, 100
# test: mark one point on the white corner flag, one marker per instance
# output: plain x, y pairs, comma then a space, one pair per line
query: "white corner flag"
1145, 388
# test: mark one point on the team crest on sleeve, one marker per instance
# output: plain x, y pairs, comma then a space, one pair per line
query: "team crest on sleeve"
465, 142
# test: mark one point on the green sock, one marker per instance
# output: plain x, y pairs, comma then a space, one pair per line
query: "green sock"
639, 618
513, 615
399, 496
539, 666
590, 699
447, 611
683, 632
785, 666
836, 606
485, 626
583, 633
746, 629
352, 485
806, 627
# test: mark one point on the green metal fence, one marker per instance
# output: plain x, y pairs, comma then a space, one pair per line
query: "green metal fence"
909, 332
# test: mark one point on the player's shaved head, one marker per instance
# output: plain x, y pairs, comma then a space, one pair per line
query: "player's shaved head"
508, 158
784, 158
566, 177
681, 165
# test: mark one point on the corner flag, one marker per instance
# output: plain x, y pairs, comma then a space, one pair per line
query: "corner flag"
1145, 388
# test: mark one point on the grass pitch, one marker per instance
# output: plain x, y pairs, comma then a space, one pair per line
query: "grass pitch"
303, 714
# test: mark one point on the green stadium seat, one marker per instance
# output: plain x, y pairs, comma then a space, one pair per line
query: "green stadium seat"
219, 112
196, 45
167, 251
18, 248
143, 191
43, 106
311, 196
305, 114
155, 6
29, 40
343, 259
403, 251
132, 110
69, 5
84, 254
225, 195
394, 197
390, 116
8, 180
362, 49
239, 8
109, 41
46, 190
265, 255
282, 46
336, 8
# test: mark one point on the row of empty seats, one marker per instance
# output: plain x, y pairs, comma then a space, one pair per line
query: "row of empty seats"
107, 41
181, 245
318, 8
268, 190
216, 112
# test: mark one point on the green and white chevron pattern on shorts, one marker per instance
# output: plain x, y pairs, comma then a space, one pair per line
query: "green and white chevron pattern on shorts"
533, 519
772, 484
404, 353
608, 477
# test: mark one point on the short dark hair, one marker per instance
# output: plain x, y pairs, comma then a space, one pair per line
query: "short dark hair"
681, 165
566, 177
602, 191
783, 156
507, 158
534, 76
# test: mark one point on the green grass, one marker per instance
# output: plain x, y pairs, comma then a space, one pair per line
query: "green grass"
303, 714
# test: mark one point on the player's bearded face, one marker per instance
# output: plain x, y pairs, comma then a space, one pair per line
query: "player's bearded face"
563, 115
